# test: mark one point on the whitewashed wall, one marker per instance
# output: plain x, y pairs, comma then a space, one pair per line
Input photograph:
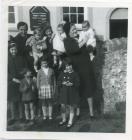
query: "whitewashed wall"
98, 17
23, 15
100, 21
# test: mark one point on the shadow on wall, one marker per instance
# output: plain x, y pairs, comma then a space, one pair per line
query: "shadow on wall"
98, 64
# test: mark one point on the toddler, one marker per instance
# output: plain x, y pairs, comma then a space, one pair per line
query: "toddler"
58, 44
87, 37
38, 44
28, 90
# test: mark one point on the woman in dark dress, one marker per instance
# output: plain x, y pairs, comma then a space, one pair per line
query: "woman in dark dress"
15, 65
80, 58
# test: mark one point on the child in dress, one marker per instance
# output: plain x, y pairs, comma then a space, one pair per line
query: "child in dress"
68, 82
38, 44
87, 37
28, 90
46, 87
58, 44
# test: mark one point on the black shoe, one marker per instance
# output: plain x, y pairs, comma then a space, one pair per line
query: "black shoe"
27, 121
78, 117
50, 118
92, 117
62, 123
31, 122
69, 125
44, 118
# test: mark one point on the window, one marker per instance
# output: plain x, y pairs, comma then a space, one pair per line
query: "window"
74, 14
12, 16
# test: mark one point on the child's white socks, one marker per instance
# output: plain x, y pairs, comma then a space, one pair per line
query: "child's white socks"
71, 118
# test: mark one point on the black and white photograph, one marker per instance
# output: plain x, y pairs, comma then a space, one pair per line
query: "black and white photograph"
75, 85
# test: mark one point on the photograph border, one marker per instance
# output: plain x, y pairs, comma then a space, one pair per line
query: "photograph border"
3, 82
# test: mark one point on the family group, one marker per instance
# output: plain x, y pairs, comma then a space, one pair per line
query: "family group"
46, 66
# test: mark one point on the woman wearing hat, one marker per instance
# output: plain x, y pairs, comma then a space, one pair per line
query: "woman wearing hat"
15, 66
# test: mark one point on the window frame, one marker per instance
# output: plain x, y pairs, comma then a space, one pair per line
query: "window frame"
79, 26
14, 25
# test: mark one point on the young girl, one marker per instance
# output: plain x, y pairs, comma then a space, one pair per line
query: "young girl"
38, 44
28, 90
46, 87
68, 82
58, 44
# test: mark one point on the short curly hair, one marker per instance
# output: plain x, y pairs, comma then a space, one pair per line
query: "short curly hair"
21, 23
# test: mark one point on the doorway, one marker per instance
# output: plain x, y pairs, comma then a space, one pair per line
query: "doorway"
118, 28
118, 23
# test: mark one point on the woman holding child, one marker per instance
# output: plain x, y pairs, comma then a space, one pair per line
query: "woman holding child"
79, 55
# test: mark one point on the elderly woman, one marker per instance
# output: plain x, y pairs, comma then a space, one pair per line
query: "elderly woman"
80, 58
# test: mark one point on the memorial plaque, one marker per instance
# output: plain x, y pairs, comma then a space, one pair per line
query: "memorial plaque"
38, 16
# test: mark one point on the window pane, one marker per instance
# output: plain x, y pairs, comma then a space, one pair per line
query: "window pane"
66, 16
11, 18
72, 9
11, 8
80, 18
65, 9
80, 10
73, 18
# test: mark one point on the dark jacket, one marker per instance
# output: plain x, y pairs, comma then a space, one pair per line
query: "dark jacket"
15, 66
28, 90
21, 42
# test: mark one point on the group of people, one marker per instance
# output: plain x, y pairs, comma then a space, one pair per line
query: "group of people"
45, 66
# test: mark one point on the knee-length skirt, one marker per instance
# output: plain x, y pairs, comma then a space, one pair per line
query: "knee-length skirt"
69, 95
46, 92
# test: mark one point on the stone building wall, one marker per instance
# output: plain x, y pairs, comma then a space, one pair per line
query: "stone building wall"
111, 69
